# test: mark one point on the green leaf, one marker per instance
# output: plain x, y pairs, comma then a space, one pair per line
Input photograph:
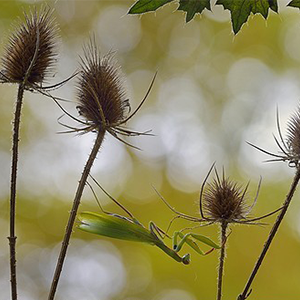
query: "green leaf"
143, 6
191, 7
294, 3
241, 9
273, 5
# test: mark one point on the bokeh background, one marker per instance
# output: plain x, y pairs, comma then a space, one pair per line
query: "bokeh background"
214, 91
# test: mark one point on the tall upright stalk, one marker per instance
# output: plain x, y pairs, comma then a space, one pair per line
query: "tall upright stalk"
73, 213
103, 105
271, 236
27, 59
222, 255
14, 168
13, 181
224, 202
13, 189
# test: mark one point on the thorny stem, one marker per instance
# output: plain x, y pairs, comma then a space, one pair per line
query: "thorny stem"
13, 188
224, 225
14, 168
272, 234
73, 213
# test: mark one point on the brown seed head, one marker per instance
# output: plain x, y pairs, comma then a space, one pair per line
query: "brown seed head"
100, 94
224, 200
36, 29
293, 137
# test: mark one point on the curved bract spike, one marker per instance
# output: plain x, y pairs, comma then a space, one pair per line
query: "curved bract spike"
141, 103
182, 215
202, 189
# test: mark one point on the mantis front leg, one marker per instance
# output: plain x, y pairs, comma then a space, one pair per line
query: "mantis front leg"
185, 238
158, 234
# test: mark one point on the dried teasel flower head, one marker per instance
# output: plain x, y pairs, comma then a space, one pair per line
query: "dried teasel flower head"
293, 138
100, 95
30, 53
224, 200
289, 147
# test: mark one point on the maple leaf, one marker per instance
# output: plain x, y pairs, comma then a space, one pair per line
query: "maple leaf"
294, 3
143, 6
191, 7
241, 9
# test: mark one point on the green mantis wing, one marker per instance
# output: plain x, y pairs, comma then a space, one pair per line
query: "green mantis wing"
114, 226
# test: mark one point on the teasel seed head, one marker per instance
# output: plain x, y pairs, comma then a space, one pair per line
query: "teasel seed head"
224, 200
100, 94
289, 147
101, 98
293, 137
31, 50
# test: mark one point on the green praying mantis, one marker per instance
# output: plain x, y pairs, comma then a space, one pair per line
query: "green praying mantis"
130, 229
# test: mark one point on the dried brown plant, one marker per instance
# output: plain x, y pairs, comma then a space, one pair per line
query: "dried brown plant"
223, 202
102, 105
30, 54
28, 58
289, 152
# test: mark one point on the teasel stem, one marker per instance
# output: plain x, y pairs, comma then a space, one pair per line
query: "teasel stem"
244, 295
103, 106
73, 213
222, 255
13, 188
14, 168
